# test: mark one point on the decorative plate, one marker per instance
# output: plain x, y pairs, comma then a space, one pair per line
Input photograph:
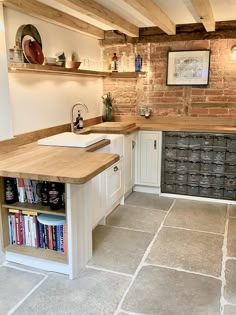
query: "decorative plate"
32, 50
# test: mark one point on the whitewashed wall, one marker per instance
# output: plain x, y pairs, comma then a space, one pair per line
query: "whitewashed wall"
41, 100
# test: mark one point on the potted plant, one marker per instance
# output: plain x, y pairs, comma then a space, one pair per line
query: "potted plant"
107, 110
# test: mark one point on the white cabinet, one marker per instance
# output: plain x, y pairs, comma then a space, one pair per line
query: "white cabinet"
129, 161
114, 186
149, 158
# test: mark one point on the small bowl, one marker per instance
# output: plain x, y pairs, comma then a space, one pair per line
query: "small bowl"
73, 64
50, 61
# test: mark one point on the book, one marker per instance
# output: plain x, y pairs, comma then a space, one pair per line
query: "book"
50, 245
58, 238
41, 235
65, 239
16, 230
21, 190
61, 239
54, 237
45, 236
27, 231
10, 229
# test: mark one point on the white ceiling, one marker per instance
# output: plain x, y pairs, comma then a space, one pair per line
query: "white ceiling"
179, 11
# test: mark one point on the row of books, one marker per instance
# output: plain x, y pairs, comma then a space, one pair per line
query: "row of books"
25, 229
28, 190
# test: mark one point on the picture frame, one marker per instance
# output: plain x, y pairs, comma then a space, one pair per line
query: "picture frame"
188, 67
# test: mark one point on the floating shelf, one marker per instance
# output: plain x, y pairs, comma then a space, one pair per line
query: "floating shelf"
33, 68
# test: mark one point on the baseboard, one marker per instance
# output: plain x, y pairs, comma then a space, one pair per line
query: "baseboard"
146, 189
230, 202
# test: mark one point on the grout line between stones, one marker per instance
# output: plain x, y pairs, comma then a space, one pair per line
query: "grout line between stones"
27, 295
183, 270
109, 270
6, 264
194, 230
131, 313
142, 262
129, 229
224, 258
145, 208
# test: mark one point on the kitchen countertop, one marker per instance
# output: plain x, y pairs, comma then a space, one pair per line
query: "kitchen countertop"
78, 165
161, 127
60, 164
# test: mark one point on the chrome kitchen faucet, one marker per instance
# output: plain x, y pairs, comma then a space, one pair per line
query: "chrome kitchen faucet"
73, 127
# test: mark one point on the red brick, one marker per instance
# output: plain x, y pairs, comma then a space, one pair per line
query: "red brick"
198, 91
218, 111
214, 92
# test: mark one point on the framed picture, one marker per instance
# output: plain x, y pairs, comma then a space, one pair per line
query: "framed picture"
188, 67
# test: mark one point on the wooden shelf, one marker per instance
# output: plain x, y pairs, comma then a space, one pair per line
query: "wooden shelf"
41, 253
26, 67
37, 207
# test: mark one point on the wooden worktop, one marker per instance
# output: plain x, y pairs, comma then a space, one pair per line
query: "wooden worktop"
163, 127
60, 164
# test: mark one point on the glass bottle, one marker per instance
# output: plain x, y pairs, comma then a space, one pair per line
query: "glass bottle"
138, 63
114, 63
10, 189
44, 194
55, 196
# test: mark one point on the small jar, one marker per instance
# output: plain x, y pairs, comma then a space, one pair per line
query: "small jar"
16, 55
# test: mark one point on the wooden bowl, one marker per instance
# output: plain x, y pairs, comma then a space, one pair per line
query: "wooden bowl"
73, 64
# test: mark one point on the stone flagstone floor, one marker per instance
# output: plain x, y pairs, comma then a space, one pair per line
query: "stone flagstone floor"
154, 256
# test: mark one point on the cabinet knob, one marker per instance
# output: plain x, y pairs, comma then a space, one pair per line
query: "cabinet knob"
155, 144
116, 168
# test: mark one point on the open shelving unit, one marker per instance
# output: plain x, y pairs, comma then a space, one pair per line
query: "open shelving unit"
58, 70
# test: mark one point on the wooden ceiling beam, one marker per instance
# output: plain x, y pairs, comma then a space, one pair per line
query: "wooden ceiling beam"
154, 13
102, 14
204, 10
49, 14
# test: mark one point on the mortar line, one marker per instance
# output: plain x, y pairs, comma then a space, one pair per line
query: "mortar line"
224, 255
141, 264
129, 275
183, 270
27, 295
194, 230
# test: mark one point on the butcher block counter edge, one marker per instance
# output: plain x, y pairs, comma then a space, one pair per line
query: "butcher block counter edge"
59, 164
167, 127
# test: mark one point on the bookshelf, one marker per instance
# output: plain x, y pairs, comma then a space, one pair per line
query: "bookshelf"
56, 70
78, 205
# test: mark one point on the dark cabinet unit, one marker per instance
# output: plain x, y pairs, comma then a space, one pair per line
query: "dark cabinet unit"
199, 164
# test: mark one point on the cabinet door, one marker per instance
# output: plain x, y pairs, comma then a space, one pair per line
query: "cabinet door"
149, 158
114, 185
130, 148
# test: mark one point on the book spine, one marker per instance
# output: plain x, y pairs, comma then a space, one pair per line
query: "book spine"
36, 228
19, 236
21, 190
13, 221
50, 244
65, 240
10, 229
54, 237
22, 228
32, 234
46, 236
41, 235
61, 239
27, 190
58, 238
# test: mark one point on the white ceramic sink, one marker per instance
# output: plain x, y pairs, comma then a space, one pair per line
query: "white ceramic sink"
70, 139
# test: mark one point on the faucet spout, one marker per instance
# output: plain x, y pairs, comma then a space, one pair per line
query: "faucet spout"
73, 127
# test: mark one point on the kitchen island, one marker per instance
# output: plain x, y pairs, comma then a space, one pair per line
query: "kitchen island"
75, 167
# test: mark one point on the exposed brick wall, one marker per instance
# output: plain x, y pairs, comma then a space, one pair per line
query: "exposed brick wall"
216, 100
